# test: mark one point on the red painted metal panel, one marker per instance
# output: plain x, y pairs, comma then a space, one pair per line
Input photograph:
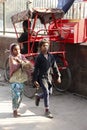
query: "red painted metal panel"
71, 31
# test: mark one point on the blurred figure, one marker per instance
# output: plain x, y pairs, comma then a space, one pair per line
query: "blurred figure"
23, 39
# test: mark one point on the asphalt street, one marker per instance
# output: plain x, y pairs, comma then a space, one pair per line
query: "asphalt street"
69, 111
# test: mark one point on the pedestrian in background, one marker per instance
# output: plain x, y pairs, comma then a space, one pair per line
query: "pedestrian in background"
45, 66
23, 39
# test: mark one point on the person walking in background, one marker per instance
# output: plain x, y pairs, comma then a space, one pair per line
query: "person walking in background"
17, 83
45, 66
23, 39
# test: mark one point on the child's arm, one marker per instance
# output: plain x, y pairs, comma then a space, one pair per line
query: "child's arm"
59, 79
56, 71
26, 63
36, 84
35, 73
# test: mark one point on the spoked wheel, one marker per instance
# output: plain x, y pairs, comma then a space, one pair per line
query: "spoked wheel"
6, 73
65, 80
29, 90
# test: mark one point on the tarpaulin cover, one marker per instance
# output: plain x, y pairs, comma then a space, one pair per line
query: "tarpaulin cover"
45, 15
65, 4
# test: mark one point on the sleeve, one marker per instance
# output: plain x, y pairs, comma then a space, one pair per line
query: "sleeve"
36, 70
24, 58
23, 37
14, 65
20, 39
55, 68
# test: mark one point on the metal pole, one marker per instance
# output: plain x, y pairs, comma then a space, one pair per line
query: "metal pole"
3, 18
28, 3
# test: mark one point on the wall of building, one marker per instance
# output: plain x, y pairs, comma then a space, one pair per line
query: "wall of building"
4, 44
77, 58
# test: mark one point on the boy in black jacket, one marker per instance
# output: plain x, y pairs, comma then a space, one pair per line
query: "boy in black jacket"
45, 66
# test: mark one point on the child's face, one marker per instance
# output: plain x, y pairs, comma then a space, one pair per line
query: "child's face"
45, 47
16, 50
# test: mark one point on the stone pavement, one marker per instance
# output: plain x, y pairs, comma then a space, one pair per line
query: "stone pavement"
69, 111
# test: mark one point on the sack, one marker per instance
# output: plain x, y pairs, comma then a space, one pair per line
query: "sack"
19, 76
26, 65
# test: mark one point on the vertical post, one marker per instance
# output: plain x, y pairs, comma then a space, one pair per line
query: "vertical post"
3, 18
27, 5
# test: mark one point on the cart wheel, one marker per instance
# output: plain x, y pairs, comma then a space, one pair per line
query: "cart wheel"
6, 73
65, 81
30, 91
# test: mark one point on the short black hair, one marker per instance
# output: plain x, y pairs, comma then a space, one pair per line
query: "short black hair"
44, 40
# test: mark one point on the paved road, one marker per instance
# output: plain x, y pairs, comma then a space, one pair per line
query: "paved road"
70, 113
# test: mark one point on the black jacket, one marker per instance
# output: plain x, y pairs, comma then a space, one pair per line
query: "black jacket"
24, 38
44, 68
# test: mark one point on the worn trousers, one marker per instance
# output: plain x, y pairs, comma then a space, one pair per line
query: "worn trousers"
47, 90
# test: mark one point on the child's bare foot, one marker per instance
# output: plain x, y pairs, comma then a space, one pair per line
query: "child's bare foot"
16, 114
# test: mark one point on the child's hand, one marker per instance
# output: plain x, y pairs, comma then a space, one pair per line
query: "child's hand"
59, 79
27, 65
18, 60
36, 84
